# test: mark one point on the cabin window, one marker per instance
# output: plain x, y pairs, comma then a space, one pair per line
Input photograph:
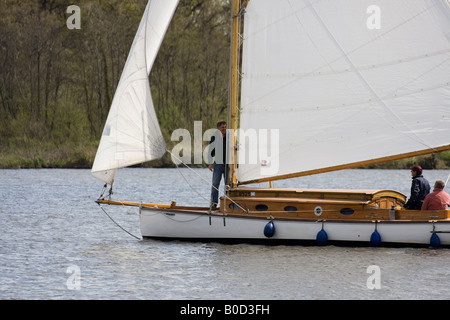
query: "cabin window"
290, 208
347, 211
261, 207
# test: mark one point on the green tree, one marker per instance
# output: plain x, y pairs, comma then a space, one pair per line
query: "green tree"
56, 84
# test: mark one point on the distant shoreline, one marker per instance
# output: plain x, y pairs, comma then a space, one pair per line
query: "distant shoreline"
78, 158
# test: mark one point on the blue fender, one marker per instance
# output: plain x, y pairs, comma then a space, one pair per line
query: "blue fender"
269, 229
322, 238
435, 242
375, 239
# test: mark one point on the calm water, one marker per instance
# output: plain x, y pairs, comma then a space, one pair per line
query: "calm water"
56, 243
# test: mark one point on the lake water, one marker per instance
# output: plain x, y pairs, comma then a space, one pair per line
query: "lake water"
56, 243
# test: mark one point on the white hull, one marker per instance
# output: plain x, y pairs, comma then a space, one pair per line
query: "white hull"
167, 224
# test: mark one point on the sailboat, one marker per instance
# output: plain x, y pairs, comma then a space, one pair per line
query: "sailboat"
338, 84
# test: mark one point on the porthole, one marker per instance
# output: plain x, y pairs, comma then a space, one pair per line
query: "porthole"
261, 207
347, 211
290, 209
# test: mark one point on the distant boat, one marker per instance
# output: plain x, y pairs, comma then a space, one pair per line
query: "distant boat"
340, 84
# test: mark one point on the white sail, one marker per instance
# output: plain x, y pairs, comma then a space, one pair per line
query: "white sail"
345, 81
132, 134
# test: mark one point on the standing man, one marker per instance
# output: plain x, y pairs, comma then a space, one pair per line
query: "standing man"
438, 199
420, 188
218, 144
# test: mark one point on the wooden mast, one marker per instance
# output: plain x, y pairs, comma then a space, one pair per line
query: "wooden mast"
234, 85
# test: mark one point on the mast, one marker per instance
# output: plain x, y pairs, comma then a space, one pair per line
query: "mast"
234, 86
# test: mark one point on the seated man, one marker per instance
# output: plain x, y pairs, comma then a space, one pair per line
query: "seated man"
438, 199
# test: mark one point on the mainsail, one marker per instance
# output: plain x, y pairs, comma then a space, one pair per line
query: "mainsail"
132, 134
345, 82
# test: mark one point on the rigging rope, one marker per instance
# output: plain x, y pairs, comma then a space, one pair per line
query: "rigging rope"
187, 181
225, 196
118, 224
447, 181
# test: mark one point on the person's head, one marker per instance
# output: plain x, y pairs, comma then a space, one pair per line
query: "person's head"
416, 171
439, 184
222, 127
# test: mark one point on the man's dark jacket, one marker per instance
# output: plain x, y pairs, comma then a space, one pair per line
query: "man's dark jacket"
419, 190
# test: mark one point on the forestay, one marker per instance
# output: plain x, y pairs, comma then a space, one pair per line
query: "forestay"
345, 81
132, 134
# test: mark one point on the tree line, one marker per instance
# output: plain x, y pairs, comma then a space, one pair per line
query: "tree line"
57, 84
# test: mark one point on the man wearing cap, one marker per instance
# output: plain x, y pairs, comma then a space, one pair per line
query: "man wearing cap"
420, 188
438, 199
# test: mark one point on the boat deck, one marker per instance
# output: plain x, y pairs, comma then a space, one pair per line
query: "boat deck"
350, 215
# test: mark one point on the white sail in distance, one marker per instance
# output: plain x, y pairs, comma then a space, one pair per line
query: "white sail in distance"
132, 134
344, 81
